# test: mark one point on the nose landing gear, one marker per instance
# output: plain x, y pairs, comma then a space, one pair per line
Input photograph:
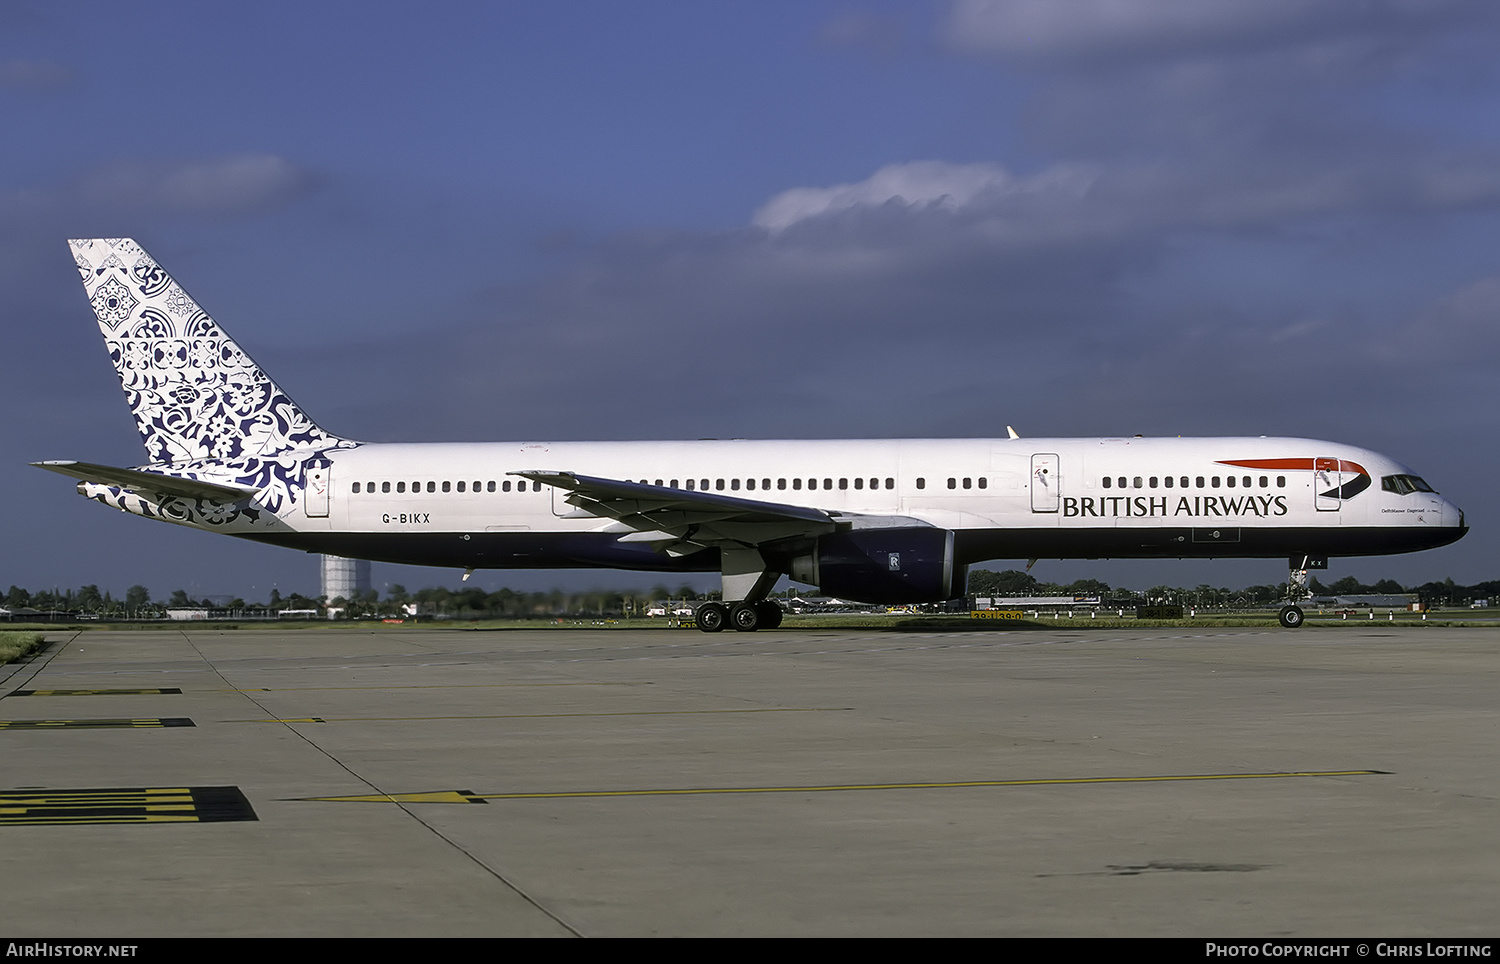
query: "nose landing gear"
1291, 615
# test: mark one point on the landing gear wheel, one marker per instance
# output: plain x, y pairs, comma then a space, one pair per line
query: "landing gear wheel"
745, 617
770, 614
1291, 617
711, 617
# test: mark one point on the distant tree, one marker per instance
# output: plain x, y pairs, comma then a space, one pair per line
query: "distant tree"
17, 597
137, 597
1011, 582
89, 599
179, 599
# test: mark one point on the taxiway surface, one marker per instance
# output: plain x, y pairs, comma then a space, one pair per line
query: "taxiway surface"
409, 781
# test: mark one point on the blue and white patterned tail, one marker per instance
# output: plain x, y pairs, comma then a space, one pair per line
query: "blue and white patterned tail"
196, 396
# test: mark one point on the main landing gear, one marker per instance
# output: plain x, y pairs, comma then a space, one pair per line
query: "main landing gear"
748, 579
1291, 615
745, 617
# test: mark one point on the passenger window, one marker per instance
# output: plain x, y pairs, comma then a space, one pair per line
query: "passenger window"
984, 483
1214, 481
416, 486
765, 484
490, 486
1185, 482
827, 484
968, 483
843, 483
781, 483
952, 483
703, 484
890, 483
690, 485
356, 488
1229, 481
1122, 481
1107, 482
859, 483
400, 486
1137, 481
797, 484
1200, 481
1265, 483
446, 486
1167, 481
719, 484
921, 483
733, 484
1151, 481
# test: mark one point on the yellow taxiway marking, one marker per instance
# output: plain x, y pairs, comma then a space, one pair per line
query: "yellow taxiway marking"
158, 691
544, 716
468, 796
423, 686
134, 724
130, 805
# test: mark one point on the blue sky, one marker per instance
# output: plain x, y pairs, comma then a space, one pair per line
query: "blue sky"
570, 220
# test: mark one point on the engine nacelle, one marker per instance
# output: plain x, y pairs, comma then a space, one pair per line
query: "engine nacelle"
901, 565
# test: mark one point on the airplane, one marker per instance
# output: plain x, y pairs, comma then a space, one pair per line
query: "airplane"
877, 521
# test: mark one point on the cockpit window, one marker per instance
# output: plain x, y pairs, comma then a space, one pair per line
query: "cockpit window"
1404, 484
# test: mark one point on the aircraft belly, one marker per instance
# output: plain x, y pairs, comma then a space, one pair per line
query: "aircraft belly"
506, 549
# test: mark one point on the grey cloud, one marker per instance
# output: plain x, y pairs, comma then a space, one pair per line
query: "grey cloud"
1173, 28
230, 184
36, 75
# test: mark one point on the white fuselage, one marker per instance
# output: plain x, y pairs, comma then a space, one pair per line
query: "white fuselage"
1014, 497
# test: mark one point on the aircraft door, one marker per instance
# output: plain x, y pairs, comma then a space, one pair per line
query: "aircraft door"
315, 488
1045, 481
1327, 483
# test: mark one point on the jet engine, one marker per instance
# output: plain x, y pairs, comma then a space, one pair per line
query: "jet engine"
909, 564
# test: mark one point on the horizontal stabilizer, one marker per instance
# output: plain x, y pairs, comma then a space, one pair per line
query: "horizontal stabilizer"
149, 482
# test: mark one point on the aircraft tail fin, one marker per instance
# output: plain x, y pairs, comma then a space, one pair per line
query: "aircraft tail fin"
195, 394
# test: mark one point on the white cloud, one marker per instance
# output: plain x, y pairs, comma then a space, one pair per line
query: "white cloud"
920, 185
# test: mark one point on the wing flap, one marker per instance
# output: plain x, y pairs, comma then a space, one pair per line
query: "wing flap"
680, 520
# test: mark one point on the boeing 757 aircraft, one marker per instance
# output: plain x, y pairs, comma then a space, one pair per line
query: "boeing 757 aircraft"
881, 521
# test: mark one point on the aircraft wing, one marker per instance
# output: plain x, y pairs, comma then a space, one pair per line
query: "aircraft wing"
683, 522
152, 483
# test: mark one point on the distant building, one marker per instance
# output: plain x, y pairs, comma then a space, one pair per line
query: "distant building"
345, 577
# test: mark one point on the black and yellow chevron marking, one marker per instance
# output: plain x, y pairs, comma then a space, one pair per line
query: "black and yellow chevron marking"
125, 724
138, 805
469, 796
160, 691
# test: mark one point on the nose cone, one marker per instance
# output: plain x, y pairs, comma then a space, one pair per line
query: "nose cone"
1452, 519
